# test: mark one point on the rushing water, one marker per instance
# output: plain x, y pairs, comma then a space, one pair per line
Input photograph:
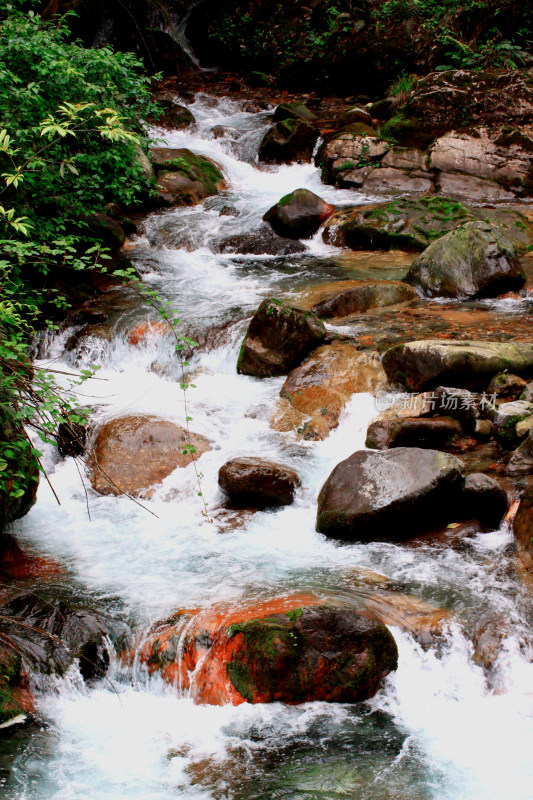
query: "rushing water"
441, 729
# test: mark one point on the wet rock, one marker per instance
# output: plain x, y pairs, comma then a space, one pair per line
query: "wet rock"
433, 433
305, 653
221, 132
523, 527
483, 429
298, 215
258, 482
15, 696
322, 385
21, 475
473, 261
71, 438
363, 296
506, 419
428, 363
51, 629
185, 178
278, 339
295, 111
523, 427
287, 141
260, 242
132, 453
390, 495
521, 461
148, 330
174, 116
507, 387
107, 229
483, 499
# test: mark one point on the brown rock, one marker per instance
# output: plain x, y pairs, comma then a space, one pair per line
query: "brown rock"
321, 386
257, 482
365, 295
132, 453
436, 432
523, 527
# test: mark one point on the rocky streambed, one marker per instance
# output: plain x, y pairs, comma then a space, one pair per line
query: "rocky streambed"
352, 615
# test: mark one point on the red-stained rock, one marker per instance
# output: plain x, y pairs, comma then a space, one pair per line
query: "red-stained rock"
141, 332
292, 650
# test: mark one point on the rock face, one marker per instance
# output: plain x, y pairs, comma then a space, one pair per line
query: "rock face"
450, 100
278, 339
431, 433
185, 178
523, 527
391, 495
483, 499
287, 141
261, 242
257, 482
321, 386
305, 653
353, 148
429, 363
23, 470
130, 454
364, 296
473, 261
298, 215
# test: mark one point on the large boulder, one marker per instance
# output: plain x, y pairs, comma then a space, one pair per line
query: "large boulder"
263, 241
428, 363
298, 215
258, 482
295, 111
297, 654
278, 339
413, 223
390, 495
523, 527
473, 261
363, 296
132, 453
508, 387
287, 141
320, 387
185, 178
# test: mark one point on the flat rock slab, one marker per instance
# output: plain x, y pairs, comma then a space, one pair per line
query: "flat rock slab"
391, 495
130, 454
426, 364
363, 296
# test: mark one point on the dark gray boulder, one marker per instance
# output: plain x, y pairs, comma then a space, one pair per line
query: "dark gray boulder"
298, 215
258, 482
391, 495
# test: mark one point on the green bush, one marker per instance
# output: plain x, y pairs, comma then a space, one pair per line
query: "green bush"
70, 131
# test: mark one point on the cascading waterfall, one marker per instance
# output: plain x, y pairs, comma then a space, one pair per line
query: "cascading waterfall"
441, 729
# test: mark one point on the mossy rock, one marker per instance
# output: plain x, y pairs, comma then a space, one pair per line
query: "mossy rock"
283, 658
289, 140
185, 178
